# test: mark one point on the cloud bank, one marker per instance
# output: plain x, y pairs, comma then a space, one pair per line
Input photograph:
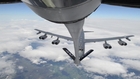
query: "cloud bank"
19, 37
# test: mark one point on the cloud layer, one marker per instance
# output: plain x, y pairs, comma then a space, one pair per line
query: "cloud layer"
19, 36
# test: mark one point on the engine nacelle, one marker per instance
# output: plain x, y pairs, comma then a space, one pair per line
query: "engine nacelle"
56, 42
43, 37
107, 46
122, 43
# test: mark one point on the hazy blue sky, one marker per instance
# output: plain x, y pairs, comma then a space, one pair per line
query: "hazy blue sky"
20, 10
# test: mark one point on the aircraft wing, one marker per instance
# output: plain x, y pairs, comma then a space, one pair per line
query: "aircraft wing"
60, 36
52, 34
108, 39
126, 3
9, 1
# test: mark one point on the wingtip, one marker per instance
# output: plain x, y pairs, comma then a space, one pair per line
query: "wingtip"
132, 35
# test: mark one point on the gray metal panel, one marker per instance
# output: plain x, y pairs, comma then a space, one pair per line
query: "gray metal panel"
66, 14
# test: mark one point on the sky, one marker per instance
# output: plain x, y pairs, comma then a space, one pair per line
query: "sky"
17, 28
108, 11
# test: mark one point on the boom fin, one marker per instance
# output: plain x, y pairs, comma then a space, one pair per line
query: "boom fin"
73, 57
86, 54
69, 53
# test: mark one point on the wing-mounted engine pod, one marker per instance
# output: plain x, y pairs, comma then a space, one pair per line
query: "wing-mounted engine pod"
107, 46
63, 11
43, 37
122, 43
56, 42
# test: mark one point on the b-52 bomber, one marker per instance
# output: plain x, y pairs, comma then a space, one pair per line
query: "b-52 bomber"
80, 45
72, 14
